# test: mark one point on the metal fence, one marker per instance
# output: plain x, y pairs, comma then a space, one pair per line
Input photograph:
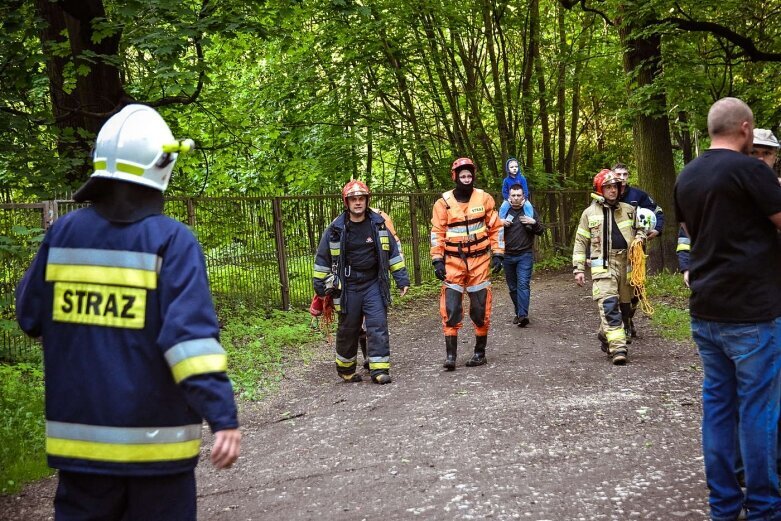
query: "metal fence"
260, 250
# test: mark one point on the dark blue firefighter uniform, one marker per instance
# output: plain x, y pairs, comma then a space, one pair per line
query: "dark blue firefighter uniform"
132, 359
362, 292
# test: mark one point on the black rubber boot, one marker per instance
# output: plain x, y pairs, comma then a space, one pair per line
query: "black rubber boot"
479, 357
451, 348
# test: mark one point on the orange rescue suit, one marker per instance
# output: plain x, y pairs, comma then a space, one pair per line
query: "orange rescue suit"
464, 235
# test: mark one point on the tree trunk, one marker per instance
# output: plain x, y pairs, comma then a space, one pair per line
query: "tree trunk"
561, 98
534, 43
98, 93
526, 102
651, 132
498, 95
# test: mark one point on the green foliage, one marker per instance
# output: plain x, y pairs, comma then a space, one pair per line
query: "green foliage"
22, 432
260, 344
669, 297
553, 262
16, 249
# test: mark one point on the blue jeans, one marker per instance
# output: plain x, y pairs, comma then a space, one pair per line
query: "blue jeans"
740, 408
518, 272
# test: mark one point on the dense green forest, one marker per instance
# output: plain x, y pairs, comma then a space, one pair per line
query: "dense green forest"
296, 97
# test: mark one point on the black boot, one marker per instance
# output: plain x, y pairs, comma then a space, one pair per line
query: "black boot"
451, 348
479, 357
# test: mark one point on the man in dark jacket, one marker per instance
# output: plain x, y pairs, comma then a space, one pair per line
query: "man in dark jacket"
133, 364
519, 232
639, 199
352, 262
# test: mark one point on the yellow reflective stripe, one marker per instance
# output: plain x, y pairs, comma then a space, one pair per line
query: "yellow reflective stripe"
624, 225
102, 275
320, 274
345, 363
216, 363
584, 233
99, 165
683, 247
617, 334
465, 233
579, 257
598, 270
129, 168
118, 452
334, 253
379, 365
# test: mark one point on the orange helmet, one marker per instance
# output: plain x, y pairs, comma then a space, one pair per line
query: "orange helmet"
353, 188
606, 177
458, 164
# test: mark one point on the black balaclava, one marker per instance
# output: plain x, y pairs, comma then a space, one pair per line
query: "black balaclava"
463, 192
125, 203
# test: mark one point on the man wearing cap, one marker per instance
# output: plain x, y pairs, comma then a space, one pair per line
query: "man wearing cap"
133, 364
765, 147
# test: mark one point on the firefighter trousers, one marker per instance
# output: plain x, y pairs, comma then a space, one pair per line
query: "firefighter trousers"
611, 290
468, 275
363, 301
82, 496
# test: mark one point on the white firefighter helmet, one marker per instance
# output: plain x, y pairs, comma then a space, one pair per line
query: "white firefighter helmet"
136, 146
646, 219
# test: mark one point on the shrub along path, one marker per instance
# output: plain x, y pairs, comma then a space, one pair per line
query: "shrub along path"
548, 430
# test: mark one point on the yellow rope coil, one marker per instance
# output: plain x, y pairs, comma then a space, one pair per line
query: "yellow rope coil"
637, 258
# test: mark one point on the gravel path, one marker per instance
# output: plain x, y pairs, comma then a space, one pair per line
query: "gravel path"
548, 430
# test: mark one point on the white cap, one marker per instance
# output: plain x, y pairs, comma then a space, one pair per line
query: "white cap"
765, 138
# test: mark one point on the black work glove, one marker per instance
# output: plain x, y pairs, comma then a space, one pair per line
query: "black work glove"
439, 269
496, 263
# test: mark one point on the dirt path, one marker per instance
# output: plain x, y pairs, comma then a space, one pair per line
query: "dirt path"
548, 430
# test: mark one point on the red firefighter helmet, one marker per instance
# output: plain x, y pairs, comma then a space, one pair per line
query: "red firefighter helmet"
458, 164
606, 177
354, 188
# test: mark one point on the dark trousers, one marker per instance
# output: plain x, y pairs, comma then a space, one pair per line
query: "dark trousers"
363, 300
518, 273
97, 497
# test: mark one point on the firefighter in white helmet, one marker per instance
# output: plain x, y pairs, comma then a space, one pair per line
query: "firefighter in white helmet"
133, 364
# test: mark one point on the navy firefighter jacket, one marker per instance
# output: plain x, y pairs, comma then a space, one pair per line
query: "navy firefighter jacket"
132, 357
331, 255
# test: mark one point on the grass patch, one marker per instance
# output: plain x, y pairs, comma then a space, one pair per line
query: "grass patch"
260, 343
669, 297
22, 426
426, 289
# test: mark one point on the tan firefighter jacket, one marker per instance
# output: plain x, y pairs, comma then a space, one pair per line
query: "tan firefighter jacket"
593, 235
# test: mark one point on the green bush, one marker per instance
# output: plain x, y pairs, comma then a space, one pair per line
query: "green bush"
554, 262
669, 297
260, 342
22, 431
